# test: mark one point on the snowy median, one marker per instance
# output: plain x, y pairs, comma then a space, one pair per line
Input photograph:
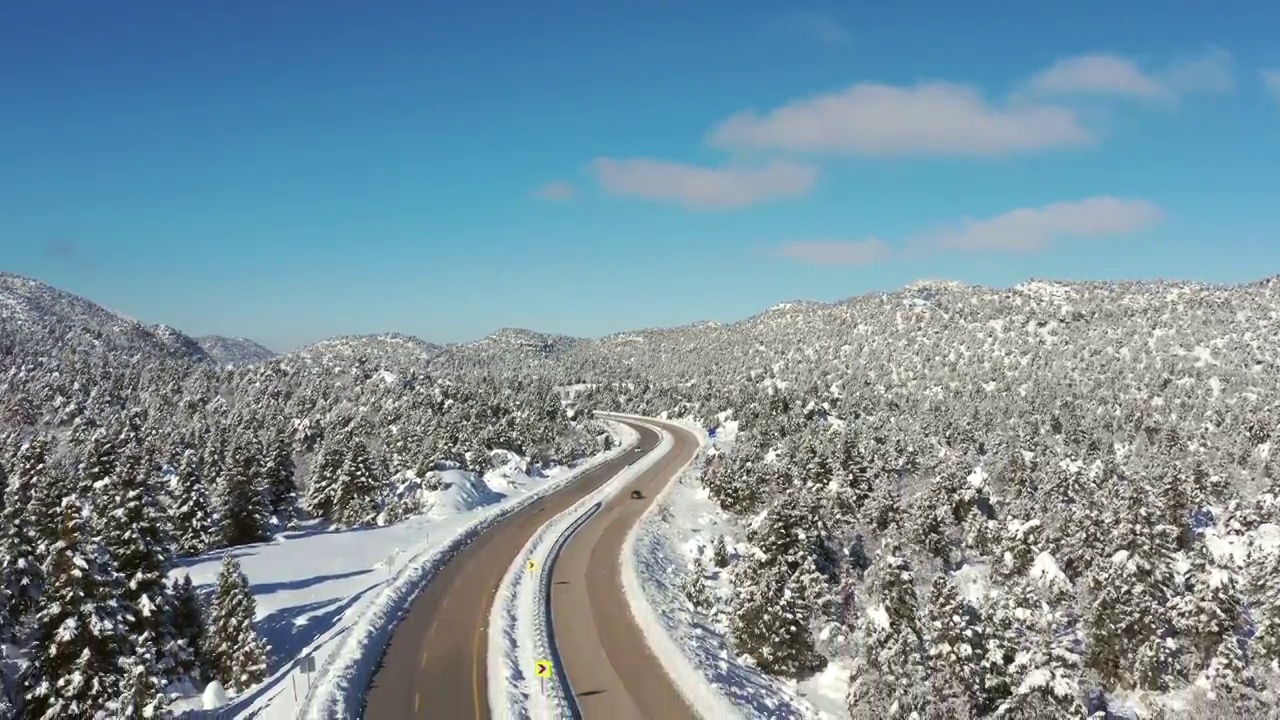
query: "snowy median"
333, 597
520, 632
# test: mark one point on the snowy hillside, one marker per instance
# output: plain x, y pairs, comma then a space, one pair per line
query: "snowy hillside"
234, 351
37, 313
124, 449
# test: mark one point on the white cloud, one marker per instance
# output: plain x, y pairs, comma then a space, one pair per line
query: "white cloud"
693, 186
822, 27
1096, 74
857, 253
933, 118
1210, 73
1028, 229
1117, 75
556, 190
1271, 83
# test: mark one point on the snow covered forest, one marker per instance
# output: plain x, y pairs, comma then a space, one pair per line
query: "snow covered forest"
1053, 500
124, 448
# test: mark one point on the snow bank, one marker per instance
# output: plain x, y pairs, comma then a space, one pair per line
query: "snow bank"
462, 492
520, 630
336, 595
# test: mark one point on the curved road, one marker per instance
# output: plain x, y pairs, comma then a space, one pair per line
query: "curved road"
610, 667
435, 665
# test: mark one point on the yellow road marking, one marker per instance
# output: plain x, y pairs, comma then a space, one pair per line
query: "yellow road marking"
417, 703
475, 670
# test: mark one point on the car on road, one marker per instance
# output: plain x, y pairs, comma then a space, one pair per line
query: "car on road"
636, 495
638, 450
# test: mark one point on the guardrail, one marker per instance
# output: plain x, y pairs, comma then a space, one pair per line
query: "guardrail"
548, 573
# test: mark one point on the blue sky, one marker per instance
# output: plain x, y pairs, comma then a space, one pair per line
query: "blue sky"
290, 171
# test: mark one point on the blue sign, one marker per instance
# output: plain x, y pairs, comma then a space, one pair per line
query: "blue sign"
711, 432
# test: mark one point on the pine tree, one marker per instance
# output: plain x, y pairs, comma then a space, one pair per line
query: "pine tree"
282, 488
322, 487
1046, 668
99, 465
189, 627
193, 517
1128, 611
20, 541
356, 502
80, 634
135, 532
237, 655
720, 553
1209, 616
889, 673
695, 588
782, 588
955, 653
244, 512
143, 695
1264, 606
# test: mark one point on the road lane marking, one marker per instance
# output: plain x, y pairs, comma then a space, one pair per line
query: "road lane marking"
475, 670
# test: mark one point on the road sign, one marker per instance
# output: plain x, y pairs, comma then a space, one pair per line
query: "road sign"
308, 664
530, 565
542, 668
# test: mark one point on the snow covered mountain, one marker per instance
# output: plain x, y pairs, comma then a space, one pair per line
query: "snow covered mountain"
391, 351
234, 351
39, 314
508, 348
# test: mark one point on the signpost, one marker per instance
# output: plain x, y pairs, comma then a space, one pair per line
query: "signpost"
306, 665
530, 565
542, 668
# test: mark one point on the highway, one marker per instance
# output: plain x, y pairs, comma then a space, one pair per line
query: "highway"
610, 668
436, 666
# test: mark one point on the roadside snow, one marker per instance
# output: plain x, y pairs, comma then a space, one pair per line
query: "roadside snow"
336, 595
520, 630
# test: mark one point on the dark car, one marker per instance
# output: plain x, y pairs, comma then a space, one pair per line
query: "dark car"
636, 495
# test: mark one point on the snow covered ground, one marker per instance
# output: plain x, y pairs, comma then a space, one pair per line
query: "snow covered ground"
335, 595
682, 526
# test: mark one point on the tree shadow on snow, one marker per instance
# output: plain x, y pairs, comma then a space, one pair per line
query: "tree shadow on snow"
289, 632
267, 588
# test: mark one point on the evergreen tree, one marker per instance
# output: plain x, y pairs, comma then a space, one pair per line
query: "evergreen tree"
20, 540
80, 633
1209, 616
955, 653
781, 589
135, 532
357, 493
695, 588
143, 695
282, 488
244, 513
889, 672
1264, 603
322, 487
720, 553
237, 655
1046, 668
193, 516
1128, 616
188, 623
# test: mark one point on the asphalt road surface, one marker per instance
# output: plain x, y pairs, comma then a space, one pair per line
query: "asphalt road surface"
435, 665
610, 667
